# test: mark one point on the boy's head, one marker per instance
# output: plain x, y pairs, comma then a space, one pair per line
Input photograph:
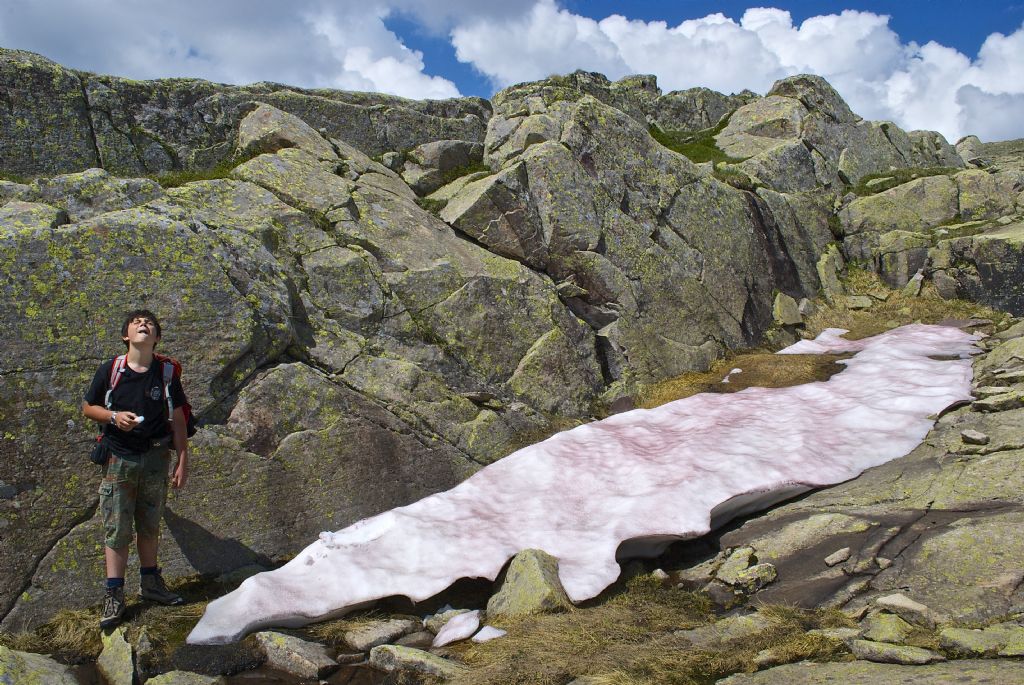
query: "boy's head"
140, 317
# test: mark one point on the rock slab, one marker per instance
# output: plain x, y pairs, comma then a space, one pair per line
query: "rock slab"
292, 655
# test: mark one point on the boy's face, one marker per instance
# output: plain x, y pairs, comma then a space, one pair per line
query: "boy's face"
142, 332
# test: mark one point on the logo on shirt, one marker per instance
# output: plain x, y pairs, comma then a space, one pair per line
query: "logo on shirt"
154, 393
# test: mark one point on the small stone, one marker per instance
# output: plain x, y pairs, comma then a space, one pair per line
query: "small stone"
530, 586
837, 557
721, 594
914, 285
422, 639
883, 563
391, 658
908, 610
756, 577
296, 656
883, 653
785, 311
728, 629
858, 302
373, 633
659, 574
987, 391
1004, 402
806, 307
1004, 220
970, 642
973, 437
185, 678
739, 560
841, 634
885, 627
392, 160
695, 576
116, 664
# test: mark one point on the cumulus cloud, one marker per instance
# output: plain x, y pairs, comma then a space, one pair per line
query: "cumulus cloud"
929, 86
311, 43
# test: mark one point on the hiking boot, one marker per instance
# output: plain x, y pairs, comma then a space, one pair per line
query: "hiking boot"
113, 607
153, 588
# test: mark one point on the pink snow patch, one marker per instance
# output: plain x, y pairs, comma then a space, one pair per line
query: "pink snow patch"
630, 483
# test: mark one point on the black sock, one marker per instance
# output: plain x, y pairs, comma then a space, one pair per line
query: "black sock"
149, 570
115, 582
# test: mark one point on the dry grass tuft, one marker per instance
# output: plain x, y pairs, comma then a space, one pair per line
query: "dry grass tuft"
897, 309
759, 369
553, 648
768, 370
74, 634
630, 639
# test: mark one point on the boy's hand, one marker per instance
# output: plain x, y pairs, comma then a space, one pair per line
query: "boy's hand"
179, 477
126, 420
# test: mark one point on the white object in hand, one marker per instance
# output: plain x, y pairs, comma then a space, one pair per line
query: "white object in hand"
138, 419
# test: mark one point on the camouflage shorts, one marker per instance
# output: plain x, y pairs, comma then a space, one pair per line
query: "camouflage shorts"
134, 491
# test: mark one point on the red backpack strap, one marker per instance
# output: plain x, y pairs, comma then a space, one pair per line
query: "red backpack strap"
117, 368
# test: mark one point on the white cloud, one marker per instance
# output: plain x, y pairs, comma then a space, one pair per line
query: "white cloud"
311, 43
863, 58
536, 44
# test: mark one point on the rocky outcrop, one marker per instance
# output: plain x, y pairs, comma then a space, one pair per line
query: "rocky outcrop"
963, 230
59, 120
802, 135
588, 192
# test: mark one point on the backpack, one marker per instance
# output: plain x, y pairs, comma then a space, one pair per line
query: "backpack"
171, 369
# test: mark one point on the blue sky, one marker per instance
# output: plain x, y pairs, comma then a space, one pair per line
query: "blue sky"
947, 65
963, 25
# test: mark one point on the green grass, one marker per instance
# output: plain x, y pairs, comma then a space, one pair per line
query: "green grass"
14, 178
459, 172
897, 177
173, 179
697, 146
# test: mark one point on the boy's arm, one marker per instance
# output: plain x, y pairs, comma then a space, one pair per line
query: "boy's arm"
125, 419
180, 476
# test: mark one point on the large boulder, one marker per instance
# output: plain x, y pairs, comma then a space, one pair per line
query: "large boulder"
44, 122
987, 267
626, 226
805, 111
25, 667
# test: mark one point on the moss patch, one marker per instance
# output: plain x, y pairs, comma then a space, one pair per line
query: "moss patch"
459, 172
173, 179
696, 146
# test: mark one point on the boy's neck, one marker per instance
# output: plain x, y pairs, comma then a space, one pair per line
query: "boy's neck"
140, 356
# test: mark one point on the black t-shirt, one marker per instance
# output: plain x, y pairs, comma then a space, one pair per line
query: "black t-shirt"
142, 394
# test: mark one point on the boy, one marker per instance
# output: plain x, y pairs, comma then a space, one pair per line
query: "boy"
134, 486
